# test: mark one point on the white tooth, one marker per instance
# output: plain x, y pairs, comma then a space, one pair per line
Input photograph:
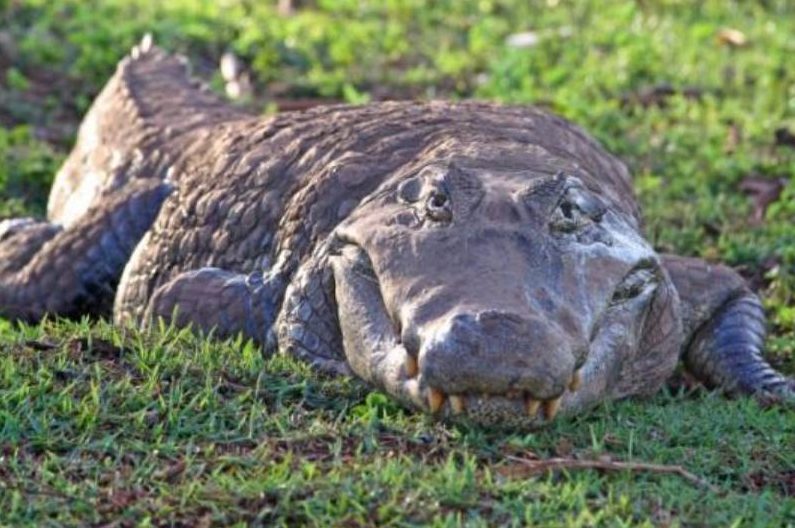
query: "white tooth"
531, 406
457, 404
412, 369
435, 399
576, 381
413, 390
551, 408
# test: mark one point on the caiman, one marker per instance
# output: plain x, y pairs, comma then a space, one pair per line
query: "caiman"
471, 259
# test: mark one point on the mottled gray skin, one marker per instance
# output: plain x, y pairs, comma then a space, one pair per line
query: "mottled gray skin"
467, 258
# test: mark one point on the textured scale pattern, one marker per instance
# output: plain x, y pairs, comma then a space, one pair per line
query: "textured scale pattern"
175, 204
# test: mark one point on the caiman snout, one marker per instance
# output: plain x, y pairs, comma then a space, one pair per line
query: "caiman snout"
496, 353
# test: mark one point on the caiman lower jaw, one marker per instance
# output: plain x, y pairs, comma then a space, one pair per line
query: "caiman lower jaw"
457, 404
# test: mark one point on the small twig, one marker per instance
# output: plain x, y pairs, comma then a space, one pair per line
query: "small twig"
554, 464
40, 346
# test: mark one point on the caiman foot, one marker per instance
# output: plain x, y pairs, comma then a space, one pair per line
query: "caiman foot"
727, 352
725, 325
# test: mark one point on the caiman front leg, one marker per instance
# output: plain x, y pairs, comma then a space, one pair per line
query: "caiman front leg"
45, 269
219, 301
724, 325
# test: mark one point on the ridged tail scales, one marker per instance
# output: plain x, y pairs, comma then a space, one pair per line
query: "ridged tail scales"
74, 271
725, 330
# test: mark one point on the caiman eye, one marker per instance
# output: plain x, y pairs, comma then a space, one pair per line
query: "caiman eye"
437, 206
568, 219
575, 211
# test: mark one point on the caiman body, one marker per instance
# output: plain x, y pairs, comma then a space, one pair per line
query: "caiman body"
466, 258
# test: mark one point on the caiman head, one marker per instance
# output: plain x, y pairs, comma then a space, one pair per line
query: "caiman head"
500, 294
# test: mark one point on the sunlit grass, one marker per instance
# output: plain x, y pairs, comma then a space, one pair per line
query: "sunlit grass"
100, 423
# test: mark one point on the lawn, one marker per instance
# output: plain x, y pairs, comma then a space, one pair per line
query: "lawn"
101, 424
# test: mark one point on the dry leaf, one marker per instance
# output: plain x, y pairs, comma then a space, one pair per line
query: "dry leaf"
732, 37
763, 191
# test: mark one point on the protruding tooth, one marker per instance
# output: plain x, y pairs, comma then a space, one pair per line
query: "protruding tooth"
457, 404
435, 399
576, 381
412, 368
531, 406
551, 408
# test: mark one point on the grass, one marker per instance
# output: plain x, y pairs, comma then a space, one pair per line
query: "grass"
102, 424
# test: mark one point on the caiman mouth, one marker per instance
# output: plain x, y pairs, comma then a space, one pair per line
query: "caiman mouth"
398, 371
